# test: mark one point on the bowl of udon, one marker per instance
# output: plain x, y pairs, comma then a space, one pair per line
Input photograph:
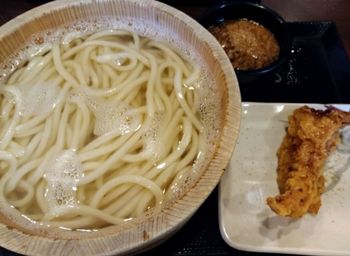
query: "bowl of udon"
117, 120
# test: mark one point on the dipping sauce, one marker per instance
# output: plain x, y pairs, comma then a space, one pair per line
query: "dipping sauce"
248, 44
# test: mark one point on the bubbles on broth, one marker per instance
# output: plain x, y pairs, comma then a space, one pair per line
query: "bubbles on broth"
40, 98
62, 174
153, 146
114, 116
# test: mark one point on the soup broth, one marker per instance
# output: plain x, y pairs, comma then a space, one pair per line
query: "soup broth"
98, 129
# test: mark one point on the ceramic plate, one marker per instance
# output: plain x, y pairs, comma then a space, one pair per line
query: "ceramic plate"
247, 223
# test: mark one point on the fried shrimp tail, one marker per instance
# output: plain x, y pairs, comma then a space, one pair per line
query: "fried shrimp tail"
311, 136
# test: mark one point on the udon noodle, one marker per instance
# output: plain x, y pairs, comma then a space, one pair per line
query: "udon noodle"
96, 130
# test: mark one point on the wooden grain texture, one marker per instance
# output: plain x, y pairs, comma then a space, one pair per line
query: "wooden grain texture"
139, 233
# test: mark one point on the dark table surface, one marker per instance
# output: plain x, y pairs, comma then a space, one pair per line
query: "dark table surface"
331, 45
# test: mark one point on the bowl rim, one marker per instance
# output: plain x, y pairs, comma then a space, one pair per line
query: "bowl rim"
21, 242
230, 4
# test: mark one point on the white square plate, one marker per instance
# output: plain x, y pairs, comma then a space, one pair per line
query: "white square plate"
247, 223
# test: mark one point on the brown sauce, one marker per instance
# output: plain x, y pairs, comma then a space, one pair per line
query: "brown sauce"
248, 44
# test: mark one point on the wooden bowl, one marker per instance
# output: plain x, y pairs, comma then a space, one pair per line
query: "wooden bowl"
166, 23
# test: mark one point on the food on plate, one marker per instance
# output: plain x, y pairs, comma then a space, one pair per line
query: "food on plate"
100, 128
248, 44
311, 136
